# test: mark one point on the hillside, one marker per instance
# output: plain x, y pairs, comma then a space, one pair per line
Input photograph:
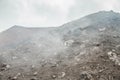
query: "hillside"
84, 49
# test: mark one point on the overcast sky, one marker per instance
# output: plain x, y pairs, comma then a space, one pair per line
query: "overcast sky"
48, 13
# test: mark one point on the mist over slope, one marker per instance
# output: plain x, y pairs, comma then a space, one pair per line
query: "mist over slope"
83, 49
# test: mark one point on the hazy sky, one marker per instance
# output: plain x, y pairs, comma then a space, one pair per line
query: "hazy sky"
48, 13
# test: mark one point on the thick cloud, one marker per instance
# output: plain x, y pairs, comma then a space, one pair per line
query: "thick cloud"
40, 13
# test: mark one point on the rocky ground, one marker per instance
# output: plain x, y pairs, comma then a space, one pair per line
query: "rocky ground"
97, 58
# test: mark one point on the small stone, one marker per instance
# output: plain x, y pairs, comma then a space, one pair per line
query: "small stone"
113, 49
102, 29
63, 74
77, 59
53, 76
86, 76
18, 74
33, 66
4, 67
7, 66
14, 57
69, 42
14, 78
35, 73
